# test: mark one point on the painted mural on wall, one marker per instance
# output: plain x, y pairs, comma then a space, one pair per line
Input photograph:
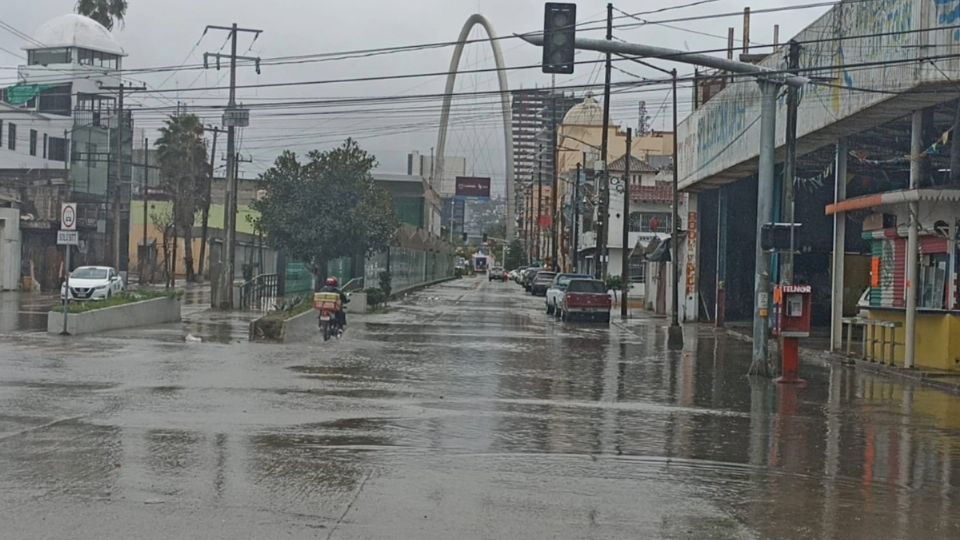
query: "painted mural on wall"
842, 51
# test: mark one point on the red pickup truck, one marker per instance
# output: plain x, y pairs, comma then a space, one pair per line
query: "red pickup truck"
586, 298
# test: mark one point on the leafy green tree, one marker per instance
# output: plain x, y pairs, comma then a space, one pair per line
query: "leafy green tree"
105, 12
326, 207
516, 255
184, 172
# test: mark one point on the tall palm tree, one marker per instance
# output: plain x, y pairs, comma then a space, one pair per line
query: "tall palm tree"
182, 157
105, 12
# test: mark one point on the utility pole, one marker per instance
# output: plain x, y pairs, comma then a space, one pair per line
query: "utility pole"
146, 199
675, 332
113, 189
539, 199
625, 255
532, 224
555, 192
576, 219
222, 295
603, 212
790, 165
205, 225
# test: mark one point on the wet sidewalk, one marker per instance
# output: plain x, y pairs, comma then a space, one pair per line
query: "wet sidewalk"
25, 311
816, 350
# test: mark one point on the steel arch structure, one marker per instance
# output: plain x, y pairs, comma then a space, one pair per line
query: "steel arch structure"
474, 20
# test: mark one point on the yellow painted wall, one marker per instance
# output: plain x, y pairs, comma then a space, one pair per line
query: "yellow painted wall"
938, 339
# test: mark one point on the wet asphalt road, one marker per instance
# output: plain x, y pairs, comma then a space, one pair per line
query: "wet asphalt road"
462, 413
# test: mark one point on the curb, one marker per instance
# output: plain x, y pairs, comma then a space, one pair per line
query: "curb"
396, 295
826, 357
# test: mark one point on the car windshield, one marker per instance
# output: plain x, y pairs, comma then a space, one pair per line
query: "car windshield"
586, 286
545, 276
563, 280
89, 273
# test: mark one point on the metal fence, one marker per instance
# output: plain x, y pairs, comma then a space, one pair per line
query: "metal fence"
260, 293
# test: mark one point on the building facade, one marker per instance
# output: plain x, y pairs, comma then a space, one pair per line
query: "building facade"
59, 143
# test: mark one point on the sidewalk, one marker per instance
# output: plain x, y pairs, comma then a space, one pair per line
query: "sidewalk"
816, 348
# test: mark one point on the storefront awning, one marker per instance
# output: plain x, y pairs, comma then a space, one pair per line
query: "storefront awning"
893, 198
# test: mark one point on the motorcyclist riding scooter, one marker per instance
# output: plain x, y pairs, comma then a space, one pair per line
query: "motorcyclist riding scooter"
331, 285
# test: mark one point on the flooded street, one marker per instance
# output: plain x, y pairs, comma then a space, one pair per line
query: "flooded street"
464, 412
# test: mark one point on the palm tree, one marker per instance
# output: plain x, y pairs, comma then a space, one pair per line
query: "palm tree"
182, 157
105, 12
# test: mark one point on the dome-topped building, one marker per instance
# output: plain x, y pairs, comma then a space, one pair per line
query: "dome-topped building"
74, 39
588, 112
74, 30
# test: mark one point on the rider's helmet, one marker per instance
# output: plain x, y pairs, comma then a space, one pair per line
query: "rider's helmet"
331, 281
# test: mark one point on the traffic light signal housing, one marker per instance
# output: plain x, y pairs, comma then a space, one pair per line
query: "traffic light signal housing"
559, 35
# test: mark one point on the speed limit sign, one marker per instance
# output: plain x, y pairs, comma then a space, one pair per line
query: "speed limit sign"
68, 217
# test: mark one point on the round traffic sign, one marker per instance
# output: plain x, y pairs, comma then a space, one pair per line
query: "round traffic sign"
68, 217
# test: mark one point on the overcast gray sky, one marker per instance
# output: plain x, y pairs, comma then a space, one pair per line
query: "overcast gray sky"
164, 33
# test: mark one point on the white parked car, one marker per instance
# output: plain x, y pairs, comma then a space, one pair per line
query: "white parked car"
92, 283
554, 296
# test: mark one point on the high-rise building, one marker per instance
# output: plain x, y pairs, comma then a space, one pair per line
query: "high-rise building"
534, 114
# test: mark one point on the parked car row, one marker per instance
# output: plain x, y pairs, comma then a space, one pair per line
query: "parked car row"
566, 296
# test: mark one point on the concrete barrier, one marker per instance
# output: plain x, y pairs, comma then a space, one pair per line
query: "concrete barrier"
144, 313
297, 328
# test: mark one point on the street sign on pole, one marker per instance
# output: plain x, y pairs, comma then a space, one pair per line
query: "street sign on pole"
68, 217
68, 238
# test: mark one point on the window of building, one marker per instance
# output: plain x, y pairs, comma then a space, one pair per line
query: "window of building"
56, 100
58, 149
933, 281
45, 57
1, 133
33, 142
45, 141
12, 136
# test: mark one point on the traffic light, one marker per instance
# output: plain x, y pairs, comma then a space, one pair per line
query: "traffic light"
484, 238
464, 237
559, 34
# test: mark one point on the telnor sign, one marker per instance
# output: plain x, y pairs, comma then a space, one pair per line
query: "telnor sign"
471, 186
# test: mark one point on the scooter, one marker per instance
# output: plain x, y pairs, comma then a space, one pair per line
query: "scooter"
329, 306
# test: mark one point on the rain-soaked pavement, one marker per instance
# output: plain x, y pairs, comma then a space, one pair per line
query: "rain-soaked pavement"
462, 413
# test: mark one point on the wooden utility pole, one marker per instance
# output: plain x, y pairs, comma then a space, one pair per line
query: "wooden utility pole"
555, 191
222, 295
790, 165
576, 219
675, 333
146, 198
603, 212
625, 236
205, 222
114, 188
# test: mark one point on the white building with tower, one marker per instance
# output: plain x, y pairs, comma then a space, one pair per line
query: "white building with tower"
57, 135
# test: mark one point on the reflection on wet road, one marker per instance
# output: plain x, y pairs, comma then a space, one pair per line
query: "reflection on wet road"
464, 412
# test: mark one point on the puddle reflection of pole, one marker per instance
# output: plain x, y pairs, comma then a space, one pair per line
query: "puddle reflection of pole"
905, 465
831, 462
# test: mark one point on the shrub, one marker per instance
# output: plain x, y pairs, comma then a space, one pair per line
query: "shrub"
375, 297
386, 283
